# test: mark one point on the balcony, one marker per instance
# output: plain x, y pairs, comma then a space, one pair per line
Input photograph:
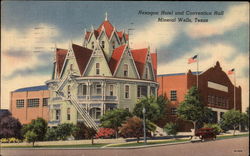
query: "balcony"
111, 97
54, 122
56, 98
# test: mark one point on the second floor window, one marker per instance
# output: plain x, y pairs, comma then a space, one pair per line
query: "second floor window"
33, 102
125, 70
126, 91
19, 103
82, 89
97, 68
92, 45
103, 44
45, 101
113, 44
98, 89
173, 95
68, 113
111, 91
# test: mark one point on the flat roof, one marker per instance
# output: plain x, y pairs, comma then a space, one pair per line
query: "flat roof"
176, 74
33, 88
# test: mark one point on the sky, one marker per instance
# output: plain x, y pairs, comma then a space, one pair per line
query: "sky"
30, 30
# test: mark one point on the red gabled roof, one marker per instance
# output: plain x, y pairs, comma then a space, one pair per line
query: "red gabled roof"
60, 57
108, 28
126, 36
120, 34
82, 56
87, 35
154, 62
115, 58
140, 56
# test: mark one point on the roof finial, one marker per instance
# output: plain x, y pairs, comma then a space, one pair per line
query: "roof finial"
106, 16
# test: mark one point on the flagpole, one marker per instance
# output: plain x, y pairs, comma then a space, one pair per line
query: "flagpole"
234, 89
197, 77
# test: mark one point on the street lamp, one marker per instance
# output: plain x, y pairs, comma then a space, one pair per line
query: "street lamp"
144, 124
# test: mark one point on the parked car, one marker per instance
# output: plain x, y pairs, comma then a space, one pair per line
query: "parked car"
206, 133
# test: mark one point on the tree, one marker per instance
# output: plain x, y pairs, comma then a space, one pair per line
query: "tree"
38, 126
90, 133
64, 130
31, 136
191, 108
10, 127
51, 134
132, 128
114, 119
171, 129
79, 131
232, 118
155, 107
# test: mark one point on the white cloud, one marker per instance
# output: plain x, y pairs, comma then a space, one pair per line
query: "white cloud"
233, 17
209, 54
154, 34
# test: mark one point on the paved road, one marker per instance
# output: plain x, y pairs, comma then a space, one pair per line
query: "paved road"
227, 147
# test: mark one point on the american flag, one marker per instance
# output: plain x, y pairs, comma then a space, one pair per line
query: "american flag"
230, 71
192, 59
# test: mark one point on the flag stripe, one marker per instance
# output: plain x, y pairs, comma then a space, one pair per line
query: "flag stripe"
192, 59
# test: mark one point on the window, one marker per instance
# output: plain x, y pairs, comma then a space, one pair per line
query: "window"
69, 91
33, 102
45, 101
71, 67
98, 89
68, 113
19, 103
146, 74
103, 44
141, 91
152, 90
82, 90
125, 70
95, 113
209, 99
111, 91
173, 111
113, 44
126, 91
58, 114
173, 95
212, 99
97, 67
92, 45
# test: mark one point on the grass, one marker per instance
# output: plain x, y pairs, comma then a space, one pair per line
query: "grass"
231, 136
59, 146
148, 143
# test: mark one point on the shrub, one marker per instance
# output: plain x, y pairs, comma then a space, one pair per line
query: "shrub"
216, 127
51, 134
105, 133
4, 140
171, 129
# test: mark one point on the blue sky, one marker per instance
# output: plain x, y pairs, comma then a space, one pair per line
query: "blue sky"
27, 52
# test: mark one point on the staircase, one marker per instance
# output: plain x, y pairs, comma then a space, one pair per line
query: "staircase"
89, 122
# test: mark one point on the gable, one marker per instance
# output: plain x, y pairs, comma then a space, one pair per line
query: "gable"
60, 59
140, 56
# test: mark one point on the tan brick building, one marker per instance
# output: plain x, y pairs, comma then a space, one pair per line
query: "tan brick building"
29, 103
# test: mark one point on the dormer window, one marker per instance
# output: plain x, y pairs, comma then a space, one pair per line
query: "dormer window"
97, 67
113, 44
103, 44
125, 70
92, 45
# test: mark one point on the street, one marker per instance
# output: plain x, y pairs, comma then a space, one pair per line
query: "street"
226, 147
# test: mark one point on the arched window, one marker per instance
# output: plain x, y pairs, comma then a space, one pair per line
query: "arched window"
69, 91
113, 44
92, 45
125, 70
103, 44
68, 113
95, 113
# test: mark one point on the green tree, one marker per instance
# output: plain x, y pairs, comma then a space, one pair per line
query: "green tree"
192, 109
79, 131
155, 107
90, 133
10, 127
31, 136
38, 126
232, 118
51, 134
171, 129
114, 119
63, 131
132, 128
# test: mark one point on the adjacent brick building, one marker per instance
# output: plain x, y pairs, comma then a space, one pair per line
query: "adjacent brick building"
29, 103
216, 91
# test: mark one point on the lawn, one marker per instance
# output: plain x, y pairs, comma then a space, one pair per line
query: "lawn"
59, 146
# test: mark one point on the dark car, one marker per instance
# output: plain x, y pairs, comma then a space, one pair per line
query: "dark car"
206, 133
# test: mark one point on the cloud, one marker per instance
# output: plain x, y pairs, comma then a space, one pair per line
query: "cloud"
208, 55
235, 16
154, 34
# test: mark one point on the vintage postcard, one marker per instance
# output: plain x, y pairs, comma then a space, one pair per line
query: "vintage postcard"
119, 77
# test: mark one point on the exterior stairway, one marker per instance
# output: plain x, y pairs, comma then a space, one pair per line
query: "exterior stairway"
89, 122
